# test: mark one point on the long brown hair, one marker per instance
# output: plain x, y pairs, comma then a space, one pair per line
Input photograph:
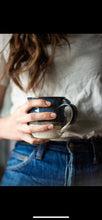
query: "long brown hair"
29, 52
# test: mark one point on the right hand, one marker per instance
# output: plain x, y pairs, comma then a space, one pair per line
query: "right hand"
15, 126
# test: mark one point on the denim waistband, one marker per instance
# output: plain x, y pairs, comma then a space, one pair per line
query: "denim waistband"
85, 145
73, 146
92, 145
82, 147
76, 145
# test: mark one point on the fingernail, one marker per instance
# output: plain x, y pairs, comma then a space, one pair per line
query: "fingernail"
50, 127
48, 103
52, 115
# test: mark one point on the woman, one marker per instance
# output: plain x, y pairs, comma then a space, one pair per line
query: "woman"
68, 65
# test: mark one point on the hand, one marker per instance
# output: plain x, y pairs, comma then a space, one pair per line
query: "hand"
15, 126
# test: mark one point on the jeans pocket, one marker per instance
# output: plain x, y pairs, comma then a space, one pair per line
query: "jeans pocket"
18, 160
50, 171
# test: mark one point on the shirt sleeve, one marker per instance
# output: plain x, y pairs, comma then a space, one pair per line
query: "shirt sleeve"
4, 40
4, 54
5, 80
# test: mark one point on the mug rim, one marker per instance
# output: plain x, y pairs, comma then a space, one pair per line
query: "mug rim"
46, 97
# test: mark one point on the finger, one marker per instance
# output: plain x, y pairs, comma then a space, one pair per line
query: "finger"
35, 128
38, 116
29, 139
35, 103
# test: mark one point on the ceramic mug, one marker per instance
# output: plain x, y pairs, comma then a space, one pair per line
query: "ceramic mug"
66, 115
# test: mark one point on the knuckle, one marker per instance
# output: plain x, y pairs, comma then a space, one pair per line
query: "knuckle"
31, 117
40, 101
28, 103
43, 102
44, 115
39, 128
32, 141
44, 128
29, 130
47, 115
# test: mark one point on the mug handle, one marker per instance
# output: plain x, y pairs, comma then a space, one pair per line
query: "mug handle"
72, 112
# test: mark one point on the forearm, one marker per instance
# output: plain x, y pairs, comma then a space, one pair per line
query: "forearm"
3, 120
3, 133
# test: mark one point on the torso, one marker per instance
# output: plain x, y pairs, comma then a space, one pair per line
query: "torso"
77, 75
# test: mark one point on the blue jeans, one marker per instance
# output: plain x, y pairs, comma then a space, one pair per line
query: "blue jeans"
72, 163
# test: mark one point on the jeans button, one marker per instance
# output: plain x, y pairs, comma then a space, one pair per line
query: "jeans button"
71, 145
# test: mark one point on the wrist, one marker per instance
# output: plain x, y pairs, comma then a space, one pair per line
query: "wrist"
2, 128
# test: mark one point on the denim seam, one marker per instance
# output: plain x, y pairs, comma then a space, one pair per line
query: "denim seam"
19, 156
66, 170
94, 151
24, 163
69, 171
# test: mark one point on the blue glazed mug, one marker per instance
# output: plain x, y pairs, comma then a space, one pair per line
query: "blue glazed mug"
66, 115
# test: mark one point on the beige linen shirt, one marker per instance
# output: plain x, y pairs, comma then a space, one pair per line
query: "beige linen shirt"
75, 74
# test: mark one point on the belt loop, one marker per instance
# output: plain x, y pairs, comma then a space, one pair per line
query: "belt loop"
40, 151
94, 151
69, 171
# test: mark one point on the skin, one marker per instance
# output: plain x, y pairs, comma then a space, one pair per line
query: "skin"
15, 126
